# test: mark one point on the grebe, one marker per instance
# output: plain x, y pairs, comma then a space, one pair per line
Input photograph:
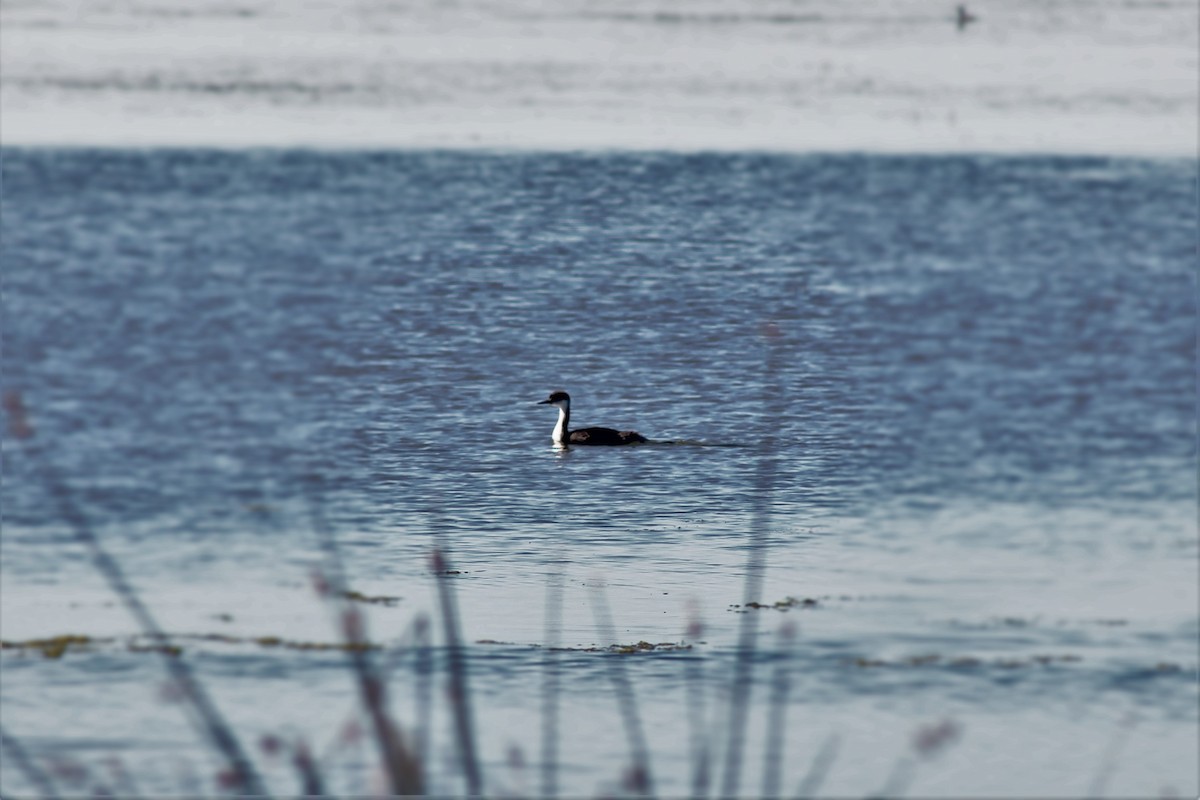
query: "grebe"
964, 17
564, 435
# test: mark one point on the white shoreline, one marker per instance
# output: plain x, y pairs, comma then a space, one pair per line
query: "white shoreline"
1092, 135
518, 75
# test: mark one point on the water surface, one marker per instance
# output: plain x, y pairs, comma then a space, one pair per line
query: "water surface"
973, 378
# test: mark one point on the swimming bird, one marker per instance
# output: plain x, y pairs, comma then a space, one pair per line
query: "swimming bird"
963, 17
563, 435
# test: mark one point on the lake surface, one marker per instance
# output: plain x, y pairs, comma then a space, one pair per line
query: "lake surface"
952, 397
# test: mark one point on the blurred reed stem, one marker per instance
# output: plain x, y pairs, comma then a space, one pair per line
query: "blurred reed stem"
203, 713
756, 561
640, 780
699, 749
821, 763
777, 713
550, 685
32, 772
460, 697
403, 770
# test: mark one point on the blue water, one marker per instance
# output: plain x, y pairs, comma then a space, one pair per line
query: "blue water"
974, 378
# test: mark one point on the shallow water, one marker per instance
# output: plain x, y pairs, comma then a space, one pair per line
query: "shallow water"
972, 379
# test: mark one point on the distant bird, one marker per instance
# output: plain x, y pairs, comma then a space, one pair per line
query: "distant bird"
964, 17
563, 435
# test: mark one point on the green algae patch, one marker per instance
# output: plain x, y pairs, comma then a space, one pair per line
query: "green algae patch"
377, 600
646, 647
287, 644
165, 649
786, 604
55, 646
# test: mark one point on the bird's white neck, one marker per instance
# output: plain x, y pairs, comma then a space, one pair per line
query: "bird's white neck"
560, 429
